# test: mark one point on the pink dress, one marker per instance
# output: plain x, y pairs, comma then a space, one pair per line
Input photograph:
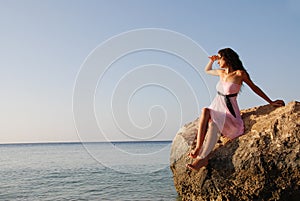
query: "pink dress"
228, 124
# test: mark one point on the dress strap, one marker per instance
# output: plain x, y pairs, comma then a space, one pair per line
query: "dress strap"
228, 102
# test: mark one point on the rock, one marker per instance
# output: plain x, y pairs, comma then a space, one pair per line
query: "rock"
262, 164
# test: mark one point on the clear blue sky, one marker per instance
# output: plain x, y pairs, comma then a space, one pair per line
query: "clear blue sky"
44, 43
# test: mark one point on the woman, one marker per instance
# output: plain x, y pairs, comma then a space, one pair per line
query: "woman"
223, 115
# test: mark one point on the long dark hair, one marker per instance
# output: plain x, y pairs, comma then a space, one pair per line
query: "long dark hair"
232, 59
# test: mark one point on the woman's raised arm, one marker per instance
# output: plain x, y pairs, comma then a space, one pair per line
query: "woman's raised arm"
208, 68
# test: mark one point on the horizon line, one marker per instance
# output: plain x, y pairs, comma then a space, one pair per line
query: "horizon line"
88, 142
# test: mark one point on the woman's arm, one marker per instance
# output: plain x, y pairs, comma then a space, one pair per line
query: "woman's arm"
259, 92
208, 68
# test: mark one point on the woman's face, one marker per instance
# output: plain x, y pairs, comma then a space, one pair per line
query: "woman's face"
221, 62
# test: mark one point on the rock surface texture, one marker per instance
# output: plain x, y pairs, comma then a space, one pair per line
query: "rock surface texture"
263, 164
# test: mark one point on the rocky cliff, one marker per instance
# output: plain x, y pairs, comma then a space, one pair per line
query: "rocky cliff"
263, 164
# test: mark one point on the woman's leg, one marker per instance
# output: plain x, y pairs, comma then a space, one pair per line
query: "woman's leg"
203, 122
211, 139
208, 145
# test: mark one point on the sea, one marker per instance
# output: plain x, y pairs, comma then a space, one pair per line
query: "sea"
86, 171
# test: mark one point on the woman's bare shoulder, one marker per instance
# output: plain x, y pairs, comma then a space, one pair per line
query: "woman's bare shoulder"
242, 73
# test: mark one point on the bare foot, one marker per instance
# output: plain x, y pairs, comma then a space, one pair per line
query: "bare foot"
194, 153
197, 164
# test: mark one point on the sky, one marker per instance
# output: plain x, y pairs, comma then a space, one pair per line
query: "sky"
49, 94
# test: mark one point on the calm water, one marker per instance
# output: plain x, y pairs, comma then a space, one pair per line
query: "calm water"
93, 171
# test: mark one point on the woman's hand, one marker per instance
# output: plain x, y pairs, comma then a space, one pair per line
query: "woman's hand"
213, 58
277, 103
208, 68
